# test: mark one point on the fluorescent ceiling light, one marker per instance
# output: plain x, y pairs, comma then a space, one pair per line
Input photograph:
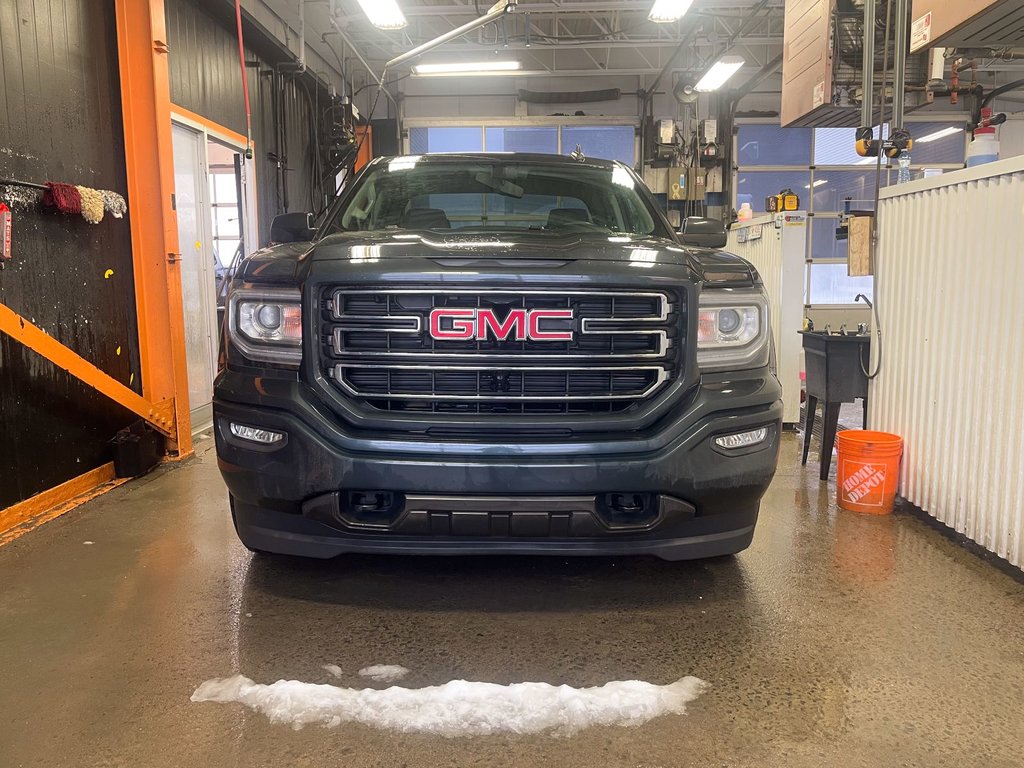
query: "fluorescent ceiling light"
868, 161
467, 68
817, 183
938, 135
668, 10
720, 71
383, 14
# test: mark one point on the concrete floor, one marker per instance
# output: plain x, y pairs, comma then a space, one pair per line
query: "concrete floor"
836, 640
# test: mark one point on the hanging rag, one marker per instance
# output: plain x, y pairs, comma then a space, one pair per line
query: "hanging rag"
92, 204
114, 203
62, 198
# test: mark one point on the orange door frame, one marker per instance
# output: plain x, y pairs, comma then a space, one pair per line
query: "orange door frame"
146, 109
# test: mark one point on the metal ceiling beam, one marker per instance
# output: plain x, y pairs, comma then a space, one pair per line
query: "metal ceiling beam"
584, 7
648, 44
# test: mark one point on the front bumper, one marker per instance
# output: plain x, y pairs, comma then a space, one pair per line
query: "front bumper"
530, 496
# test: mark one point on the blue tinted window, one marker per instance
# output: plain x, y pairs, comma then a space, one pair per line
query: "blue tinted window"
754, 186
832, 189
446, 139
522, 139
824, 244
772, 145
608, 142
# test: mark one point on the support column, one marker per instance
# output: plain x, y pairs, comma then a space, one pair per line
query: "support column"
146, 109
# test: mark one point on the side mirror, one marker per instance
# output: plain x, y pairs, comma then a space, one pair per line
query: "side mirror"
292, 228
703, 233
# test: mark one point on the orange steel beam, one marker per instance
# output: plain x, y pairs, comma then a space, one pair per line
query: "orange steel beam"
160, 415
146, 110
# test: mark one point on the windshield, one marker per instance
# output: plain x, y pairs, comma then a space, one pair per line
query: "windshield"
489, 195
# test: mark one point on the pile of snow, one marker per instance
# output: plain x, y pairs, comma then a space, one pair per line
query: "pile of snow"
334, 669
384, 673
458, 708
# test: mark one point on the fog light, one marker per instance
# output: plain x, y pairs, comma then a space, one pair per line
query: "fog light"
265, 436
742, 439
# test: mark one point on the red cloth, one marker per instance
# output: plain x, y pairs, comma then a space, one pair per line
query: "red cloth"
62, 197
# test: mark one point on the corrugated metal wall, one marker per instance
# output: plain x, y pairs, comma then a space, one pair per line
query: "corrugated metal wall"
949, 282
61, 107
205, 79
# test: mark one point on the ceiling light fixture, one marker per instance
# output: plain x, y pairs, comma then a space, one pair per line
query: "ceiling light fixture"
720, 72
467, 68
817, 183
938, 135
384, 14
664, 11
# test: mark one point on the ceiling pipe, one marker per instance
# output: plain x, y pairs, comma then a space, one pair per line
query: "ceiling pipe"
493, 14
366, 66
302, 35
899, 63
868, 79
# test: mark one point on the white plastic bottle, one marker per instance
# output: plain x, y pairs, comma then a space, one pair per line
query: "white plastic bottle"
745, 212
984, 148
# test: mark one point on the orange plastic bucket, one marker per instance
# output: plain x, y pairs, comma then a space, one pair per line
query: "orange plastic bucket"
869, 468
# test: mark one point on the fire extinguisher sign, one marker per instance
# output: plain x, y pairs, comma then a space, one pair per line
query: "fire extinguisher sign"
5, 232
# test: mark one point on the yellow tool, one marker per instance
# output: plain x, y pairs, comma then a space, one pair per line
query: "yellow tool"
786, 200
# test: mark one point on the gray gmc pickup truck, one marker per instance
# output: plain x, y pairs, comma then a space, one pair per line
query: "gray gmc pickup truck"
496, 353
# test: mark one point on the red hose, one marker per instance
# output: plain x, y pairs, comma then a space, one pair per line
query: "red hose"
245, 79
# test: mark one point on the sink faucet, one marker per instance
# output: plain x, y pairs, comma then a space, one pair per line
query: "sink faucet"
860, 296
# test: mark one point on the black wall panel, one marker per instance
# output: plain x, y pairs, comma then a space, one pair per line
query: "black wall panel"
60, 120
205, 79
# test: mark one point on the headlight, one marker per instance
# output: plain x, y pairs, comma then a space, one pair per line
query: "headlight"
732, 329
266, 324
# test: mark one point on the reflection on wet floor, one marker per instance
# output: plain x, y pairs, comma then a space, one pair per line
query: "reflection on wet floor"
837, 639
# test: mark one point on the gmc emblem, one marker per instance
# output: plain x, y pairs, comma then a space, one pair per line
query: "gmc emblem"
478, 323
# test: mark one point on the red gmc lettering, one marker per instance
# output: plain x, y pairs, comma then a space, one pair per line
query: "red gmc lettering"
480, 323
555, 314
463, 323
487, 319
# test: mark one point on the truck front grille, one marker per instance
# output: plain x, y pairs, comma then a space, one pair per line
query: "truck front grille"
376, 348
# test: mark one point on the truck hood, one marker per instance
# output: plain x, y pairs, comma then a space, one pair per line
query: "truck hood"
525, 250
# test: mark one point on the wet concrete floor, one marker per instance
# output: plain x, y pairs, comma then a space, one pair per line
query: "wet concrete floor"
836, 640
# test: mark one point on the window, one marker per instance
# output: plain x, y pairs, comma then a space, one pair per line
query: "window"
830, 284
522, 139
937, 143
838, 191
823, 242
225, 213
754, 186
838, 146
608, 142
822, 167
485, 195
446, 139
772, 145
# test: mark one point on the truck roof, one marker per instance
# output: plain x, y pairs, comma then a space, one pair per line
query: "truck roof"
518, 157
